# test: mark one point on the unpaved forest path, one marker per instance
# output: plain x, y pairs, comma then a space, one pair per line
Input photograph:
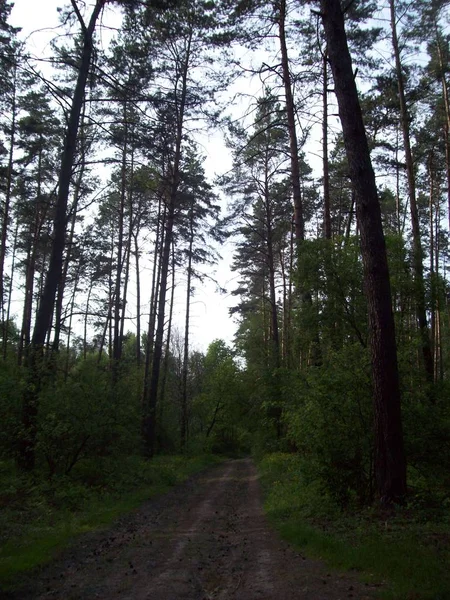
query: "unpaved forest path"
206, 539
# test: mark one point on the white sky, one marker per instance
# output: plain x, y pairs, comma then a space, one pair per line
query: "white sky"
210, 318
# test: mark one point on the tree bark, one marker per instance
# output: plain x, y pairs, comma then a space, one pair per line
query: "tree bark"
326, 173
390, 464
150, 420
417, 245
27, 443
184, 394
6, 209
299, 223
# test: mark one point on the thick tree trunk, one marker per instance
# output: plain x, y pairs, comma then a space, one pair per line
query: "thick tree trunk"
27, 443
417, 245
390, 464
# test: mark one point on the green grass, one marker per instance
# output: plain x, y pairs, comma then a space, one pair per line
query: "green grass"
406, 553
39, 518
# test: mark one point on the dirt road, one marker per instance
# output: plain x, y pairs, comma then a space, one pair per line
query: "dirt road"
206, 539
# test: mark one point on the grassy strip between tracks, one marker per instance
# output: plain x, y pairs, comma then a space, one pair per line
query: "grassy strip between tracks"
407, 552
38, 518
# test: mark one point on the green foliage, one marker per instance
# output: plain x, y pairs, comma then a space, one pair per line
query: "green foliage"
218, 408
39, 517
81, 417
330, 423
331, 271
409, 555
10, 405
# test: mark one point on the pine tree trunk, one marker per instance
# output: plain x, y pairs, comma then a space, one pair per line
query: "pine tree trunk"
118, 299
390, 464
168, 338
326, 174
417, 245
27, 442
10, 291
156, 277
299, 223
275, 338
138, 301
184, 394
445, 96
6, 210
150, 420
88, 300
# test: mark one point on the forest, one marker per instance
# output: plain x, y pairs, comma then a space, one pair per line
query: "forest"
336, 116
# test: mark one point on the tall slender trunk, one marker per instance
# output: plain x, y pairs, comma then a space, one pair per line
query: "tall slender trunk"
390, 463
417, 245
299, 223
432, 253
88, 300
275, 336
69, 328
107, 326
284, 330
150, 421
27, 443
156, 277
445, 95
118, 299
25, 332
10, 291
127, 250
325, 162
138, 301
184, 394
7, 205
34, 235
67, 260
68, 257
168, 338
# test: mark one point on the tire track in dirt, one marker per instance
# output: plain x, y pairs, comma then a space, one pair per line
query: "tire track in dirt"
207, 539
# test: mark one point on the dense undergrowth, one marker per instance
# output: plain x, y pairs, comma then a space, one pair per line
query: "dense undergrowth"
39, 516
405, 550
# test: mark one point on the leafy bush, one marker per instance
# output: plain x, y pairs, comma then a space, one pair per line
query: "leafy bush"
80, 417
331, 425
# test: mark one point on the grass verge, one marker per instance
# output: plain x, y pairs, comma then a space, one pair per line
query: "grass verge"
38, 518
407, 552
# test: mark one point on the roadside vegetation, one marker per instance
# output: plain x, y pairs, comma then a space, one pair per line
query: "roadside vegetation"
404, 549
40, 516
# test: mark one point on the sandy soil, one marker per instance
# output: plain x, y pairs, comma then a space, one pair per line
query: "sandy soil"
205, 540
